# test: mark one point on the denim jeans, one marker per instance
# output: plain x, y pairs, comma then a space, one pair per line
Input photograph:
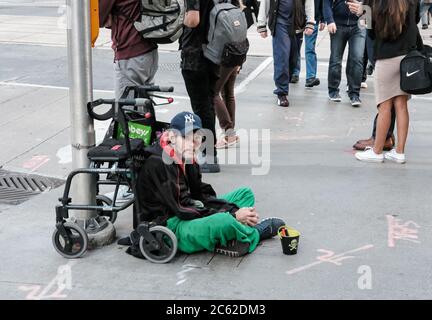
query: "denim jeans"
424, 11
356, 40
281, 58
310, 54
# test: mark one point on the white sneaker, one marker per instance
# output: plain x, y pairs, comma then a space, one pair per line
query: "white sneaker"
123, 195
364, 85
394, 156
369, 156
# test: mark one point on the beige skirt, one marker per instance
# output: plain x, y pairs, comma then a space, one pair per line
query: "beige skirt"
387, 79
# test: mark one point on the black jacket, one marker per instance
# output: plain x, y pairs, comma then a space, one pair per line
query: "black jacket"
337, 11
165, 191
409, 39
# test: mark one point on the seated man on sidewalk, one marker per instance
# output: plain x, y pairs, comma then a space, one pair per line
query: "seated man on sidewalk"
171, 193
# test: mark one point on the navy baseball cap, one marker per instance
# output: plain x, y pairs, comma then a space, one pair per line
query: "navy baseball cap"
186, 122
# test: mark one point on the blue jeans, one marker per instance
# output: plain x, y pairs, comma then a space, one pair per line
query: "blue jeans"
356, 40
310, 54
424, 11
281, 59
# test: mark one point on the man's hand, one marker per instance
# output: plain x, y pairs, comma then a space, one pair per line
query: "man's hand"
355, 7
322, 26
332, 28
247, 216
308, 31
264, 34
192, 19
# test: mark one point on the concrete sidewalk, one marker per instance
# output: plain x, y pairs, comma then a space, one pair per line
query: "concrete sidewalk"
365, 228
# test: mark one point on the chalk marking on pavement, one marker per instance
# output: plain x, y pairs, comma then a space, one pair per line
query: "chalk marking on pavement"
242, 86
36, 162
330, 257
399, 231
350, 131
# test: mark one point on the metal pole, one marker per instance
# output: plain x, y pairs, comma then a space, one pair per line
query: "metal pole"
80, 92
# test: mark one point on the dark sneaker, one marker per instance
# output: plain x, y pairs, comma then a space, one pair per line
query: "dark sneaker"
425, 26
283, 101
312, 82
370, 70
233, 248
355, 101
335, 97
269, 227
127, 241
294, 79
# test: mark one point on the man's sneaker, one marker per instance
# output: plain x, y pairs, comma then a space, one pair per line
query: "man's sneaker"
425, 26
312, 82
394, 156
233, 248
269, 227
335, 97
369, 156
355, 101
283, 101
294, 78
128, 241
124, 194
364, 85
370, 69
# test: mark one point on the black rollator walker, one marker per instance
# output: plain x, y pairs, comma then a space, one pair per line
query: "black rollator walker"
118, 159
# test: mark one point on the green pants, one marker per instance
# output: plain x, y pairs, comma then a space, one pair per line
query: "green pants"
204, 233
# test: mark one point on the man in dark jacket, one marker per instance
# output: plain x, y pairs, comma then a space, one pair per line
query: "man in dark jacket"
135, 59
171, 192
344, 29
285, 19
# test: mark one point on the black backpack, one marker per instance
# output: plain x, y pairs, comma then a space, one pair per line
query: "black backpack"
416, 71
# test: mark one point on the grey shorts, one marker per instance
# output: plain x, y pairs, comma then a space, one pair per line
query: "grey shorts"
135, 71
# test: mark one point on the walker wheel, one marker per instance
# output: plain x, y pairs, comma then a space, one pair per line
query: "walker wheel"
102, 201
167, 242
74, 245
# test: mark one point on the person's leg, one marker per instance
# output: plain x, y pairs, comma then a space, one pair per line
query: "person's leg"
402, 118
220, 99
205, 233
310, 54
354, 72
281, 55
423, 13
365, 65
229, 98
383, 125
242, 197
392, 125
337, 46
135, 71
198, 87
297, 68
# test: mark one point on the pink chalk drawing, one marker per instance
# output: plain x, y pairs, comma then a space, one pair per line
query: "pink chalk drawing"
330, 257
399, 231
61, 282
35, 162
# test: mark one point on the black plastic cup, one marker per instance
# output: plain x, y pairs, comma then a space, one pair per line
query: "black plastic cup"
289, 243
